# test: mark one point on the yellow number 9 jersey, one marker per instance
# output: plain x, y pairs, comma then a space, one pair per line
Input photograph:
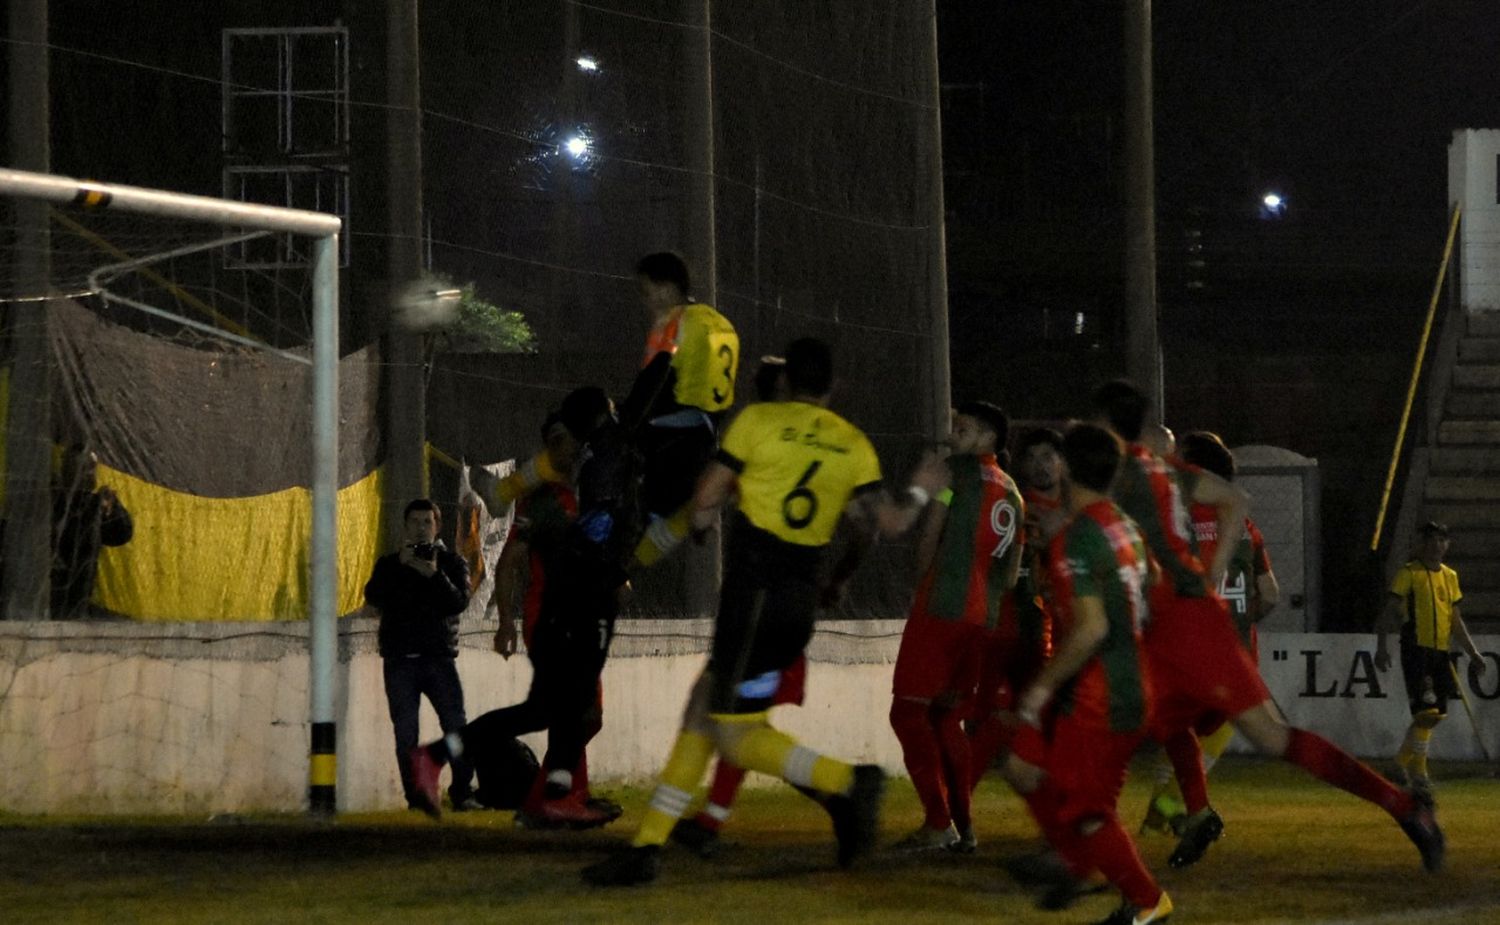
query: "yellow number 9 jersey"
798, 466
706, 360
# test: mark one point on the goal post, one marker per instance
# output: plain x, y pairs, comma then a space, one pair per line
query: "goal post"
324, 231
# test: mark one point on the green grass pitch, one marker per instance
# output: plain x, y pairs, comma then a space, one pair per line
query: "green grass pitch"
1294, 851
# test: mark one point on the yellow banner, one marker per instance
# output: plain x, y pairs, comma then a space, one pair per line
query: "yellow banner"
196, 558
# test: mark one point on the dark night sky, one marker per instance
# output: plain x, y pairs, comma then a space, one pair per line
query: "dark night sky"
1348, 106
1304, 331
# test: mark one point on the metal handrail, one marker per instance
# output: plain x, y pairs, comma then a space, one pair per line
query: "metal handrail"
1416, 376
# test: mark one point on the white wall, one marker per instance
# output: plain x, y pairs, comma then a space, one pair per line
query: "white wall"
104, 732
1473, 165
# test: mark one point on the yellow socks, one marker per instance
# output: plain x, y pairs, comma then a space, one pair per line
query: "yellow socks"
1214, 746
771, 751
674, 789
1420, 738
663, 536
530, 474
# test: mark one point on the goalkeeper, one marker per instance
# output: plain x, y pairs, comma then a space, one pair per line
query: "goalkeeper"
580, 600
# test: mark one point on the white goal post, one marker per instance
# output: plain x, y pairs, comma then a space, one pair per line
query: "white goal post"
324, 230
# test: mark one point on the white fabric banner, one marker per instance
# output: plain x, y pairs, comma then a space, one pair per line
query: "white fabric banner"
1328, 683
492, 534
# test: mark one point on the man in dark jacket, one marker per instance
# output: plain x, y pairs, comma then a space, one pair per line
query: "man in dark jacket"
85, 519
420, 590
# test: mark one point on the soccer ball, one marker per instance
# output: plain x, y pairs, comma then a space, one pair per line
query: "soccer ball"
425, 305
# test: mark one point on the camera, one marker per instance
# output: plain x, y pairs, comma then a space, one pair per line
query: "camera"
426, 551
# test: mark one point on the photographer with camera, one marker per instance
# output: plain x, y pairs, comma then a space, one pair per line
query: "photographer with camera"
420, 590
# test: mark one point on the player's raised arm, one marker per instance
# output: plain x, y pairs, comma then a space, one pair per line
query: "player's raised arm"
888, 516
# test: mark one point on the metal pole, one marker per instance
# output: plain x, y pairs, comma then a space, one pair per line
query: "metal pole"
405, 380
700, 247
27, 542
323, 610
115, 197
939, 397
1143, 355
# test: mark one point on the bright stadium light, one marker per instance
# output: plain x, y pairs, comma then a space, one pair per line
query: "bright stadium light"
1272, 205
577, 146
587, 63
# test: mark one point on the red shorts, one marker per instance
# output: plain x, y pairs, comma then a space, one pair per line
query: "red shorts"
938, 657
1087, 763
1006, 666
793, 685
1200, 672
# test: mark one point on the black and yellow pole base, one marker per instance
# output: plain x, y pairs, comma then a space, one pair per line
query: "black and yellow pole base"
323, 771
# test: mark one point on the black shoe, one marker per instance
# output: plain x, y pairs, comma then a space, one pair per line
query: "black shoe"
699, 839
1063, 894
628, 868
1421, 826
465, 804
1203, 829
1042, 869
856, 817
608, 807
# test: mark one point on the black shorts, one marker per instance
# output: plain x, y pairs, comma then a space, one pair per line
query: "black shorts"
1428, 674
767, 606
674, 458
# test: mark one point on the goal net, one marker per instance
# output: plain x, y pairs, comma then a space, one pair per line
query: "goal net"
169, 394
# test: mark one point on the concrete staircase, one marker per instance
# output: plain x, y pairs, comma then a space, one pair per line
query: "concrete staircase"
1463, 479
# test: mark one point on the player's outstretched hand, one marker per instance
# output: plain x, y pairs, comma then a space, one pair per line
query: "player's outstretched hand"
1383, 659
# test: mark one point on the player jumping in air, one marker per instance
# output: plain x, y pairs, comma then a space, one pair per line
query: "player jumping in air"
796, 467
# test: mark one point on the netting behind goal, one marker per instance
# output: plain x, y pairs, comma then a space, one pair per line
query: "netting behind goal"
176, 360
163, 464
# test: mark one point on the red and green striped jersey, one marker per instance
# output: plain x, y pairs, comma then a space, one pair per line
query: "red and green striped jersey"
1248, 563
1152, 491
1101, 555
981, 540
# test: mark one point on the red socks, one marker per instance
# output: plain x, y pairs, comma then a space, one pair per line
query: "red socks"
912, 723
957, 766
1111, 850
1327, 762
1187, 763
721, 794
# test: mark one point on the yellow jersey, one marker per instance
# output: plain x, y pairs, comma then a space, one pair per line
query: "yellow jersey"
1428, 598
798, 466
705, 356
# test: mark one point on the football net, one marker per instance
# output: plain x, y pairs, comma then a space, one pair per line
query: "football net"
169, 395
